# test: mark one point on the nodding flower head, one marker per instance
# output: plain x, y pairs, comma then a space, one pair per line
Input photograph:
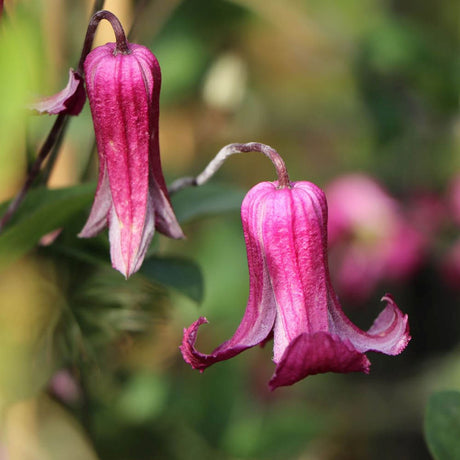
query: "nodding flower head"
123, 89
291, 296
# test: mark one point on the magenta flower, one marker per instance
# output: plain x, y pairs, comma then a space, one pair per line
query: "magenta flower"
131, 197
371, 238
291, 296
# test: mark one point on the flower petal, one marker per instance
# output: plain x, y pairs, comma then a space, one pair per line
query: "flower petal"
389, 334
165, 219
310, 354
255, 327
259, 317
126, 258
70, 100
97, 219
293, 231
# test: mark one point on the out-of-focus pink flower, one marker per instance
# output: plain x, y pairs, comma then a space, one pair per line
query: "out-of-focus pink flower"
50, 238
427, 212
371, 240
291, 296
64, 386
131, 196
69, 101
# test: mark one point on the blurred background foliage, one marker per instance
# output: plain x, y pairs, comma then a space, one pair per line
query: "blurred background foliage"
89, 362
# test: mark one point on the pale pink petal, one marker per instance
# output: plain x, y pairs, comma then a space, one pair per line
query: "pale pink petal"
97, 219
389, 334
120, 260
165, 219
125, 258
50, 238
148, 231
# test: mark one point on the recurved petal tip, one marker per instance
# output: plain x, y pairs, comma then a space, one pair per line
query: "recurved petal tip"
393, 324
189, 353
310, 354
69, 101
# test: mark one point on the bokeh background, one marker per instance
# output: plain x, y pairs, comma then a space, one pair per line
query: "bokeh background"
358, 96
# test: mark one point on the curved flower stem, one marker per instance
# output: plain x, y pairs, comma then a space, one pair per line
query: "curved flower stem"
223, 154
120, 37
42, 154
52, 156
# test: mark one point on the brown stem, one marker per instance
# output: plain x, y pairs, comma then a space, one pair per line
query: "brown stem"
223, 154
42, 154
120, 37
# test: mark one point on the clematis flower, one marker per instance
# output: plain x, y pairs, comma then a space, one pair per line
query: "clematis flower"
370, 236
291, 297
131, 197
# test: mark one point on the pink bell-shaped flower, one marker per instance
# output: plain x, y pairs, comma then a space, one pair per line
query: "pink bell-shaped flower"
291, 295
123, 87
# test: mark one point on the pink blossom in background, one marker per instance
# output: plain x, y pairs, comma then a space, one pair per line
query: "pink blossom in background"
428, 213
64, 387
291, 296
371, 239
131, 196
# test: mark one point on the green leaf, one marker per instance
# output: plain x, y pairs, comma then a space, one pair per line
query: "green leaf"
42, 212
182, 274
206, 200
442, 425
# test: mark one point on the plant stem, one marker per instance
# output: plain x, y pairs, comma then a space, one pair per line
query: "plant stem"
122, 43
223, 154
42, 154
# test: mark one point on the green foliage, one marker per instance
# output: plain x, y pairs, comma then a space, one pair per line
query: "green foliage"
442, 425
20, 77
181, 274
42, 212
206, 200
